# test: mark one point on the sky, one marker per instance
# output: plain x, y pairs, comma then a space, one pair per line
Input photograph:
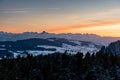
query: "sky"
101, 17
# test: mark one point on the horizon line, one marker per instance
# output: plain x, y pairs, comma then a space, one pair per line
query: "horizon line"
57, 33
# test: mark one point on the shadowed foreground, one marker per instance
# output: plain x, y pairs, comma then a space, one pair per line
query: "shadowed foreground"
64, 66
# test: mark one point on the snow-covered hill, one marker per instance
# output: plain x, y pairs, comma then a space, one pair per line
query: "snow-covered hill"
37, 46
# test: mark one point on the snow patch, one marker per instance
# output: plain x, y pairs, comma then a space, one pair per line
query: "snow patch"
51, 40
2, 45
76, 42
2, 49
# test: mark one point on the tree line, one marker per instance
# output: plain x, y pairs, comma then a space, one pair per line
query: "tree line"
61, 66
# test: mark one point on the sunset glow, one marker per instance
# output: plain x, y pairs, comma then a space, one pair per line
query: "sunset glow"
101, 17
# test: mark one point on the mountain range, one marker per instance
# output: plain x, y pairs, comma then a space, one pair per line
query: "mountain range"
4, 36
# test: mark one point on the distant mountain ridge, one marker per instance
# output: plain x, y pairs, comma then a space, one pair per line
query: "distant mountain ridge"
4, 36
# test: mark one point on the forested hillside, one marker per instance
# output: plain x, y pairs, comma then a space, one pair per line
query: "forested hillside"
99, 66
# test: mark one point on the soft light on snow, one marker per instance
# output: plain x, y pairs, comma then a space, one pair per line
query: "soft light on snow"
2, 49
2, 45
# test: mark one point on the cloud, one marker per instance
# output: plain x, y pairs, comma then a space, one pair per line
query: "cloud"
15, 10
20, 11
74, 17
53, 8
96, 23
108, 14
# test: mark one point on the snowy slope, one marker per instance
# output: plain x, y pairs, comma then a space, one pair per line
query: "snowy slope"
37, 46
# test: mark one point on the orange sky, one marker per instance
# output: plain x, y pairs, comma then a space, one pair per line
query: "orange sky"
87, 25
107, 28
102, 28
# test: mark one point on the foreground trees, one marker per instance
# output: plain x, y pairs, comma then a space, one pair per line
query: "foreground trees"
64, 66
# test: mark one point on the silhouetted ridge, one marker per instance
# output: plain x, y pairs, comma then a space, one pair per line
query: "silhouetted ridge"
113, 48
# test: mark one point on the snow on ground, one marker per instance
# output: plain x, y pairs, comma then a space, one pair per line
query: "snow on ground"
50, 40
83, 49
72, 49
76, 42
2, 45
36, 53
58, 49
33, 52
65, 47
2, 49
